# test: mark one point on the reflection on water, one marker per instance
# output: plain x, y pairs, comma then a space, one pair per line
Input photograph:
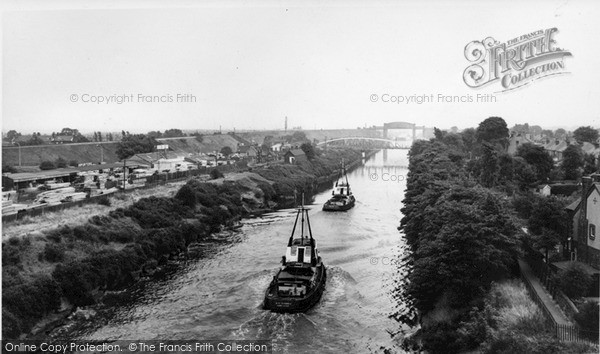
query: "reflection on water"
219, 297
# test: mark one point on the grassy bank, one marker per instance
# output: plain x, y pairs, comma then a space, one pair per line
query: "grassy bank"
76, 262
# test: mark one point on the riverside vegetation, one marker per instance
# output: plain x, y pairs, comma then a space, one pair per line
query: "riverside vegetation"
463, 237
74, 265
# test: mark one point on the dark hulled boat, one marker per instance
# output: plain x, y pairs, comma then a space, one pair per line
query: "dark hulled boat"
341, 196
300, 281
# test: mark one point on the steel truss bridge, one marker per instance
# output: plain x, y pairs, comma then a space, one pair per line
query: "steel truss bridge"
366, 143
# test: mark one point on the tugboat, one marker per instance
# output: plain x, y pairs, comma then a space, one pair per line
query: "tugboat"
300, 281
341, 196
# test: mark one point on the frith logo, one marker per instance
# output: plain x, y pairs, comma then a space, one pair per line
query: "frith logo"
515, 63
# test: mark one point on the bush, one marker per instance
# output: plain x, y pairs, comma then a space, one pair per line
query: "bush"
8, 169
215, 174
73, 163
574, 281
104, 201
53, 253
47, 165
587, 317
61, 163
187, 196
11, 254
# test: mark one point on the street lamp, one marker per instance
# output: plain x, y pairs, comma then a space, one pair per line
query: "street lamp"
19, 145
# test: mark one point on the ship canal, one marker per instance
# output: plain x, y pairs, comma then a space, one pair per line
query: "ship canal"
220, 295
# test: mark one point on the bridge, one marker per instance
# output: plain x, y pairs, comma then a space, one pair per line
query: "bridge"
402, 125
367, 143
376, 137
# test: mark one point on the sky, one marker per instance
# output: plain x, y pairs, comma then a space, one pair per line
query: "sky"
248, 65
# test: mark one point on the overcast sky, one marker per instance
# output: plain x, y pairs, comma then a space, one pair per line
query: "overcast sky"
250, 64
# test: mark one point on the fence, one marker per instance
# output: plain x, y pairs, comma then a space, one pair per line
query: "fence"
570, 333
565, 333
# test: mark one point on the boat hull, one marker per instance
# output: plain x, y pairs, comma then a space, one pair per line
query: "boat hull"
334, 207
282, 304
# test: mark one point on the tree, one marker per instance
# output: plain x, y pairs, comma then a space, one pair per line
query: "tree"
156, 134
35, 139
585, 134
538, 158
546, 239
298, 136
173, 133
439, 134
134, 144
523, 174
226, 151
47, 165
100, 136
489, 166
110, 137
560, 133
309, 150
187, 196
548, 133
494, 131
549, 213
572, 162
469, 137
12, 135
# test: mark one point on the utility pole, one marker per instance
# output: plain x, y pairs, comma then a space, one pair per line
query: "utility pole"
19, 145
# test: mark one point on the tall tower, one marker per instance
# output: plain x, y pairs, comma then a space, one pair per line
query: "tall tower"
285, 123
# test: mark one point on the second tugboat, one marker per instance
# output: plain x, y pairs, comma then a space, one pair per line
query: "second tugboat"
341, 196
300, 282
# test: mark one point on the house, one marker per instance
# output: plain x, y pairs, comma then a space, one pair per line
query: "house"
294, 156
591, 149
266, 155
246, 151
62, 139
556, 149
585, 216
517, 139
276, 147
544, 190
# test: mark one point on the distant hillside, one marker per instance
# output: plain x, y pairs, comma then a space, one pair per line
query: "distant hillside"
91, 152
82, 153
210, 143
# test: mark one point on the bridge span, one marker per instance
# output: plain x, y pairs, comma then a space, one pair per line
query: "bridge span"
380, 143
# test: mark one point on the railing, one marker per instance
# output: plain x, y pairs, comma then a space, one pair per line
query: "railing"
570, 333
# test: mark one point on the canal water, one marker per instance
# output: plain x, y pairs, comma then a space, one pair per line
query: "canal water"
219, 297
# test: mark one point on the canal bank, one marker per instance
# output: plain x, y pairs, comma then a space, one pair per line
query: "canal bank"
133, 241
219, 295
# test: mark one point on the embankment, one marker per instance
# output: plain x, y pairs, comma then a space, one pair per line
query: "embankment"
72, 266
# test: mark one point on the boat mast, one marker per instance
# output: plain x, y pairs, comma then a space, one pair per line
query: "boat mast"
293, 230
302, 211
